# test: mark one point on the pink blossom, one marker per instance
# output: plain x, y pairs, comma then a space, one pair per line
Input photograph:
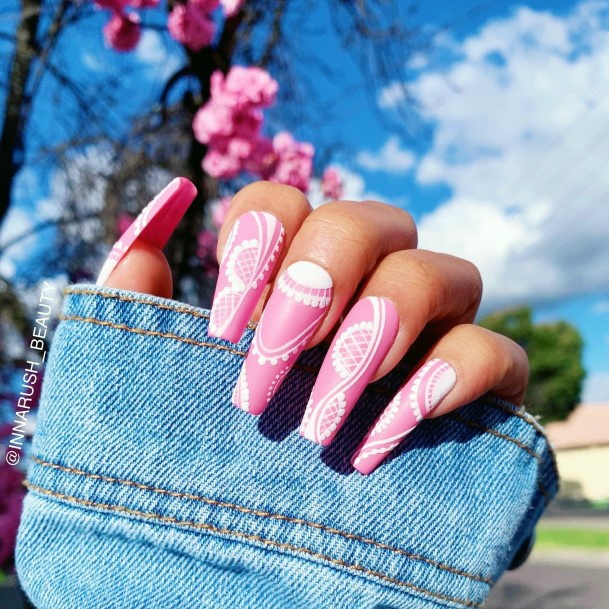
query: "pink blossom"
207, 242
331, 184
112, 5
191, 26
231, 7
144, 3
207, 6
294, 163
212, 121
219, 209
242, 86
122, 32
123, 222
263, 158
11, 491
221, 165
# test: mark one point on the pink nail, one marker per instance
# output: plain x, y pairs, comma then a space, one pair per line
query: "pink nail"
416, 400
294, 311
359, 347
155, 224
247, 262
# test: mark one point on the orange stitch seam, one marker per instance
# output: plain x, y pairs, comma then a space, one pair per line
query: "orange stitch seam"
188, 311
518, 443
262, 514
248, 536
192, 341
182, 339
529, 420
158, 305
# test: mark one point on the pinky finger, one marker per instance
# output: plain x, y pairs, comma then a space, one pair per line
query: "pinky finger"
467, 362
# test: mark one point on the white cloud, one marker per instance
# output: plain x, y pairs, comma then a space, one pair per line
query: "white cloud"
391, 158
354, 188
521, 137
601, 307
153, 52
392, 95
596, 387
17, 222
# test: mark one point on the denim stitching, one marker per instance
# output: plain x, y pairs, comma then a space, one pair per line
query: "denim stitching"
182, 339
262, 514
515, 441
251, 537
198, 343
159, 305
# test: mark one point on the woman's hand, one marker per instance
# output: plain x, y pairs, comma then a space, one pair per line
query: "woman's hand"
351, 270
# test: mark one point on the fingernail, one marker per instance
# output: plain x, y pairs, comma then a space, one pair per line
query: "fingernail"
415, 401
154, 225
294, 311
360, 345
247, 261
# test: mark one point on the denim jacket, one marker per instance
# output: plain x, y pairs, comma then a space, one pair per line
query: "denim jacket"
149, 489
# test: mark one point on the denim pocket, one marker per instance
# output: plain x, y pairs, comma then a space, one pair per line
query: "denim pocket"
148, 489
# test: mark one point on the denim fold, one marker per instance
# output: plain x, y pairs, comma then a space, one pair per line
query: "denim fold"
147, 488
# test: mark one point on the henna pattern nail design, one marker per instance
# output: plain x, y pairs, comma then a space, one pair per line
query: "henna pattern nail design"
360, 345
294, 311
248, 259
416, 400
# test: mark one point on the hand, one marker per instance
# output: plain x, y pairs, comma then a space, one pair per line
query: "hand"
349, 270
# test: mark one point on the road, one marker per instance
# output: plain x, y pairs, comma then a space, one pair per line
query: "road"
552, 583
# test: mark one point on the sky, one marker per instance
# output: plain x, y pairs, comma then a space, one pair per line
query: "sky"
498, 149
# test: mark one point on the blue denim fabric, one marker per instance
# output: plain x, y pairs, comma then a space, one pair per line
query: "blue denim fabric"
148, 489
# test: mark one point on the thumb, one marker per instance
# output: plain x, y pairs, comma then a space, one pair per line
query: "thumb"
137, 262
143, 269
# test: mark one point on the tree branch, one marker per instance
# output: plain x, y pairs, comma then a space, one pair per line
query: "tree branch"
13, 126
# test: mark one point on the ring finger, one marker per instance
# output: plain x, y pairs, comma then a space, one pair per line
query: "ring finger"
407, 291
333, 252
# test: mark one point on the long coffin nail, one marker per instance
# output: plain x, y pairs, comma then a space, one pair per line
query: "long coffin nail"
294, 311
155, 224
415, 401
247, 261
358, 349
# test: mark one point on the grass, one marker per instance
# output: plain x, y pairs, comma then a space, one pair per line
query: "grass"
568, 537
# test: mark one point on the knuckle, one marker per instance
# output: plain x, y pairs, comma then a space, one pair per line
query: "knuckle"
399, 218
265, 192
338, 219
405, 219
475, 280
486, 343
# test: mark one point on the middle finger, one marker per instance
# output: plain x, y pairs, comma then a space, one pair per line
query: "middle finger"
332, 253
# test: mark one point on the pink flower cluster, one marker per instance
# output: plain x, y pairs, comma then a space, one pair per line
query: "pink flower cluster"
11, 492
190, 22
331, 184
230, 123
122, 32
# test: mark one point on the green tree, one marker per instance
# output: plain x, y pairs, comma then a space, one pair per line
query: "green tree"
555, 356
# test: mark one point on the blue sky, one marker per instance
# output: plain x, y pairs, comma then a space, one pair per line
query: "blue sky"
502, 162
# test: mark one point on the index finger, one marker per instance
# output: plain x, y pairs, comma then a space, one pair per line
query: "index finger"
260, 225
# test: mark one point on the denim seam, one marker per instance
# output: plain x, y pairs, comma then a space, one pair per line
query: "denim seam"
182, 339
515, 441
525, 416
159, 305
263, 514
248, 536
198, 343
